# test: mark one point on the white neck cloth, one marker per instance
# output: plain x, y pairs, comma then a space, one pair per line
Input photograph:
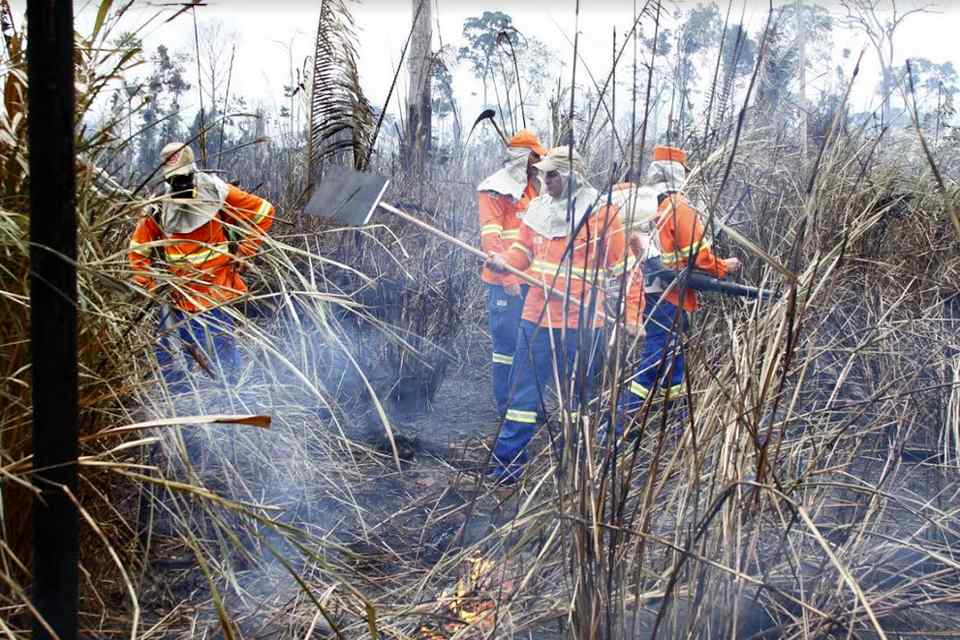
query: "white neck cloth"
511, 180
547, 215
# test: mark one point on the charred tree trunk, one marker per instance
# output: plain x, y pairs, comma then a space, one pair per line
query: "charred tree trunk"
419, 125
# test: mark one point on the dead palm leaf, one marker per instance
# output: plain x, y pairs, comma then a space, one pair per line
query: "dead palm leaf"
341, 119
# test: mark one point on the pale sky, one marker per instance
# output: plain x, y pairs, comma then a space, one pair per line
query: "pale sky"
272, 32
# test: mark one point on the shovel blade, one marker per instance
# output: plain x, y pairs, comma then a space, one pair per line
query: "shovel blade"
346, 196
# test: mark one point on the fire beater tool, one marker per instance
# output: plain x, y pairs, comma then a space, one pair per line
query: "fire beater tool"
350, 197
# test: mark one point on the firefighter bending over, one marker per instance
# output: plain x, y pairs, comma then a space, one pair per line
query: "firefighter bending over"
197, 242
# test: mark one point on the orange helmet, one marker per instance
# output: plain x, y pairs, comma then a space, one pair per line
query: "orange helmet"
673, 154
528, 139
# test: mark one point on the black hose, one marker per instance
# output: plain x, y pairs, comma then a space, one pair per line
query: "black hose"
698, 280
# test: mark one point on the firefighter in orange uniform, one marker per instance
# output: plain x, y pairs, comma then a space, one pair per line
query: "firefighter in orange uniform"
559, 339
679, 234
204, 231
501, 200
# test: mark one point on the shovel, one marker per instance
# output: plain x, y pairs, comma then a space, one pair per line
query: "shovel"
350, 197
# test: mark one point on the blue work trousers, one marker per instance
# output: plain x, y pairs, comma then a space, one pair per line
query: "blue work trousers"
662, 345
541, 352
504, 311
206, 338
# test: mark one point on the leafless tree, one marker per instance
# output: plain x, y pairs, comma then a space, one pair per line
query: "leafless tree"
216, 44
879, 22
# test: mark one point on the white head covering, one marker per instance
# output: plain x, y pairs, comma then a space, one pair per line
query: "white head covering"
547, 215
666, 175
177, 159
511, 180
183, 215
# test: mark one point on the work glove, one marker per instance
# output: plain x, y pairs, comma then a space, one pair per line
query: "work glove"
637, 243
497, 263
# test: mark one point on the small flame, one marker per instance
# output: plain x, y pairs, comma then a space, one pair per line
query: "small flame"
472, 602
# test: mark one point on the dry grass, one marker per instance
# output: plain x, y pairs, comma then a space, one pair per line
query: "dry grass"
807, 490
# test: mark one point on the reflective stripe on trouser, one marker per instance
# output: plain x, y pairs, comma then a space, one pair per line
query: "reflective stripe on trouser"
533, 369
209, 333
504, 311
661, 343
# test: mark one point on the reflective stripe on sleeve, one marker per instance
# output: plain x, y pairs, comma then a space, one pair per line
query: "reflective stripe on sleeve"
526, 417
262, 212
671, 260
620, 266
510, 234
490, 228
500, 358
641, 392
518, 245
141, 248
674, 257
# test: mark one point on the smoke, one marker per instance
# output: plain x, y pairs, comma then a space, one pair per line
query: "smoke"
303, 482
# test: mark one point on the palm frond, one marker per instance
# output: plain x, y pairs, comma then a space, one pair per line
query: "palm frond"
341, 119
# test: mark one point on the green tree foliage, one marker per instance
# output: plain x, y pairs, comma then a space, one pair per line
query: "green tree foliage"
699, 33
442, 86
165, 87
781, 64
536, 60
817, 25
127, 40
739, 52
147, 109
492, 42
481, 36
879, 20
738, 55
444, 104
935, 87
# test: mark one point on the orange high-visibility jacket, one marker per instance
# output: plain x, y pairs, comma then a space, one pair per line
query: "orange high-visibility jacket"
201, 260
635, 301
680, 235
500, 217
598, 252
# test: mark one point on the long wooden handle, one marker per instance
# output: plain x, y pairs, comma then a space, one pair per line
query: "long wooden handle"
460, 243
480, 254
